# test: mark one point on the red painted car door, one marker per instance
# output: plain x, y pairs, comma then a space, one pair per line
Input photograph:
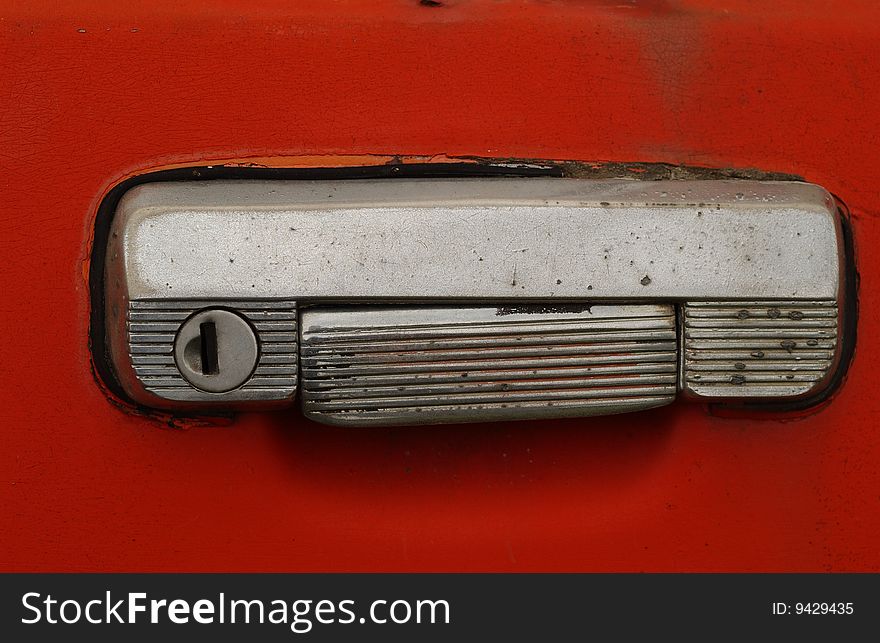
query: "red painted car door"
94, 93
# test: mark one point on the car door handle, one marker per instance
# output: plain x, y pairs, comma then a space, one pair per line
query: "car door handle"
411, 301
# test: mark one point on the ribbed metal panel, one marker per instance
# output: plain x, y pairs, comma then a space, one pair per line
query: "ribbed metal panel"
430, 365
758, 348
152, 326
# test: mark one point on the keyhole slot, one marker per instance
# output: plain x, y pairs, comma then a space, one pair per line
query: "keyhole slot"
197, 349
208, 333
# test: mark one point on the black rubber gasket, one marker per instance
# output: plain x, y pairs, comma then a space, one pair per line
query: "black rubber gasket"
472, 168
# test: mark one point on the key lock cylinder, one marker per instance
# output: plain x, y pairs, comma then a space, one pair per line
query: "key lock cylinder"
417, 301
206, 337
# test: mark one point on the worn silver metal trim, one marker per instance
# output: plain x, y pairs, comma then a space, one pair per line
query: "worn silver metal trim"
146, 362
757, 349
426, 365
502, 239
459, 245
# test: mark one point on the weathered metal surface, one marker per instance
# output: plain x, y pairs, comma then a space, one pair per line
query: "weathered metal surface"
149, 372
381, 366
472, 239
758, 349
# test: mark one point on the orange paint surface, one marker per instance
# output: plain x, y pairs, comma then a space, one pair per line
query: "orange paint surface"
91, 93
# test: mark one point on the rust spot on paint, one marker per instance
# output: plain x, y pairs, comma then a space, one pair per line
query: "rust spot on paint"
665, 171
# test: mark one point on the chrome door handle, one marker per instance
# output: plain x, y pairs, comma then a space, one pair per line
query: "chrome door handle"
417, 301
